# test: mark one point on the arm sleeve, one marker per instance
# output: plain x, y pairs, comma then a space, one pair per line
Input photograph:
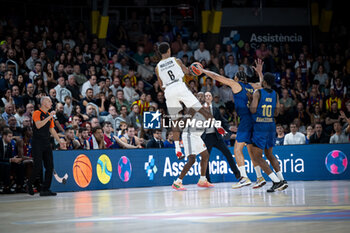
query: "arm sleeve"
36, 116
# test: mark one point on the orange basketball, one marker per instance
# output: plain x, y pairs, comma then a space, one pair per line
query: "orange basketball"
82, 171
194, 68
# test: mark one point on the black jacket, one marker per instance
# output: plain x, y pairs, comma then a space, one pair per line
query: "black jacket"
154, 144
218, 117
5, 157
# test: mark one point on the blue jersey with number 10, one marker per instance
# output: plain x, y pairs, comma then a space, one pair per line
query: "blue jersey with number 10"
264, 130
266, 107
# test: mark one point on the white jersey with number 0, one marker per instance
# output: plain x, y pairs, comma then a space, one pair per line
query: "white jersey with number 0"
169, 71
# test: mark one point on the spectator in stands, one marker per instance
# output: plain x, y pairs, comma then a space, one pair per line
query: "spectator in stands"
112, 116
340, 135
302, 115
7, 98
116, 142
29, 96
156, 140
332, 117
129, 92
120, 101
134, 118
9, 111
61, 90
142, 103
130, 137
287, 102
145, 70
279, 140
12, 123
83, 138
116, 86
31, 61
309, 132
71, 142
303, 64
123, 117
319, 136
231, 68
202, 53
333, 98
74, 89
91, 83
294, 137
319, 61
52, 95
17, 97
97, 139
8, 162
339, 88
169, 142
36, 72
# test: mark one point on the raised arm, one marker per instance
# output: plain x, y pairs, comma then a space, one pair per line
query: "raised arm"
254, 104
235, 86
258, 69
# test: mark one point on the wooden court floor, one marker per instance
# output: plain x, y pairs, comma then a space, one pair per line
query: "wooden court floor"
315, 206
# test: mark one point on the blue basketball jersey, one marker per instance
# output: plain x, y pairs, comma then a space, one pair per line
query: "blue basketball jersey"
241, 99
266, 107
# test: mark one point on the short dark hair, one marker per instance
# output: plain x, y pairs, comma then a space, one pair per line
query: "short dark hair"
269, 79
82, 129
38, 62
163, 47
95, 129
242, 76
106, 123
6, 132
156, 130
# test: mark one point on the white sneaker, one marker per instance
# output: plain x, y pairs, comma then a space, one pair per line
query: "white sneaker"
244, 181
259, 183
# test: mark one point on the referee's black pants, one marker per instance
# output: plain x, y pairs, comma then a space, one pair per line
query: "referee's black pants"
42, 153
211, 140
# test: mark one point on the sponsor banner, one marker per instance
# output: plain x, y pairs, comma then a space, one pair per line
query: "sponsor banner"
294, 36
109, 169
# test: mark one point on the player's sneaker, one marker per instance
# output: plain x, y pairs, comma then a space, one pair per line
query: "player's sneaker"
244, 181
275, 186
221, 131
179, 155
259, 183
204, 184
284, 186
178, 186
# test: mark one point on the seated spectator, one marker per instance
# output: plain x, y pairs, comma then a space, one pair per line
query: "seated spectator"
332, 117
83, 138
231, 68
120, 101
340, 135
130, 138
314, 99
134, 118
79, 77
91, 83
12, 123
102, 103
287, 101
142, 103
309, 132
294, 137
10, 162
316, 116
319, 136
201, 53
129, 92
131, 76
74, 89
156, 140
89, 98
339, 88
97, 139
60, 117
303, 116
279, 140
116, 85
29, 97
333, 98
68, 106
71, 142
7, 98
112, 116
116, 142
210, 87
52, 95
95, 122
9, 111
169, 142
145, 71
283, 117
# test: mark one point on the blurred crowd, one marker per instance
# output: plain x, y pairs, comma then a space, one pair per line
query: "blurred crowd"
100, 90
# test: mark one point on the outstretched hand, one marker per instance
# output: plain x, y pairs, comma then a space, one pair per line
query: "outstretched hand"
258, 66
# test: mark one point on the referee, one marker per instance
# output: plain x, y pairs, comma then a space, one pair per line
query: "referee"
41, 147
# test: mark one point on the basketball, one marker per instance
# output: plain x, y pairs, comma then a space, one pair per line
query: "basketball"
82, 171
124, 169
194, 68
104, 169
336, 162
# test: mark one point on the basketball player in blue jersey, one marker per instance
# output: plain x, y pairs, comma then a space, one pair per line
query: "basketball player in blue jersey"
242, 92
264, 108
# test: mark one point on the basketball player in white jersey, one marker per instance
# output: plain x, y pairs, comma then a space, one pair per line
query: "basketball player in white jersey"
170, 72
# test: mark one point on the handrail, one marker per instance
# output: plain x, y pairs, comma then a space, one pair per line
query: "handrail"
12, 61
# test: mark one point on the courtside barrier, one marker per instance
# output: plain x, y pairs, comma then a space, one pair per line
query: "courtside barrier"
110, 169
